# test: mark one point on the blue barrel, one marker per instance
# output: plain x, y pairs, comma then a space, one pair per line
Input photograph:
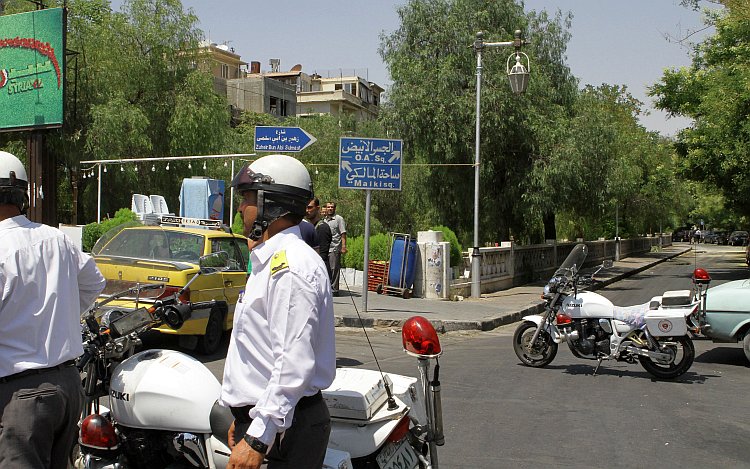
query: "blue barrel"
400, 273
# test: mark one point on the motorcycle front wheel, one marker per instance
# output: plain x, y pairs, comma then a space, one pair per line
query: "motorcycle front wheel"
537, 355
681, 348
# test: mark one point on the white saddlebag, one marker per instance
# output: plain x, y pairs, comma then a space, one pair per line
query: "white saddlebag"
666, 322
355, 393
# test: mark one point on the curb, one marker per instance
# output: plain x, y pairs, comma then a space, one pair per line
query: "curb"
446, 325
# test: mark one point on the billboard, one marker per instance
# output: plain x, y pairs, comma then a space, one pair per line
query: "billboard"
32, 66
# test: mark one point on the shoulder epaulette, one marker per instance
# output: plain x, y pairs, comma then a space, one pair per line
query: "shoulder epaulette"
278, 262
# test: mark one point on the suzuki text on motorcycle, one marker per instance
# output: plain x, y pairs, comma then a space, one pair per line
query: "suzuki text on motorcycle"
654, 333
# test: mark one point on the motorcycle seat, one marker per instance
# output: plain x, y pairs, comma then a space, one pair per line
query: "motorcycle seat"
634, 315
221, 419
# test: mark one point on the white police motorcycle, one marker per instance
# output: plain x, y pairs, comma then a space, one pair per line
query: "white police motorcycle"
653, 333
163, 410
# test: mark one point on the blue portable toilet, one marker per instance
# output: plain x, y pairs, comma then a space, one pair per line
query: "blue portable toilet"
202, 198
402, 266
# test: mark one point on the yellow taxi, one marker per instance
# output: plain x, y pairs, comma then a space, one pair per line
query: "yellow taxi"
169, 255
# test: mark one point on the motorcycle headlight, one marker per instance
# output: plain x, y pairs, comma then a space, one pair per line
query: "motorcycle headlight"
547, 289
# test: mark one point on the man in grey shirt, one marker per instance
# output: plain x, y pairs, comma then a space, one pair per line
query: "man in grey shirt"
338, 244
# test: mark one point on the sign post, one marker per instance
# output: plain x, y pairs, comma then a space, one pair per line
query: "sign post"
369, 163
282, 139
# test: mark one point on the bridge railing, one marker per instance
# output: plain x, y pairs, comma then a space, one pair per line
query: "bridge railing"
509, 266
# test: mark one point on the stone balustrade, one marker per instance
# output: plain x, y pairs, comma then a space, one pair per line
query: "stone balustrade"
509, 266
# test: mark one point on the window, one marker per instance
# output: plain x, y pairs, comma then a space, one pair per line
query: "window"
278, 107
224, 71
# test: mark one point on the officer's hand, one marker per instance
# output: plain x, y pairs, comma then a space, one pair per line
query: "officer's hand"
244, 457
230, 436
343, 250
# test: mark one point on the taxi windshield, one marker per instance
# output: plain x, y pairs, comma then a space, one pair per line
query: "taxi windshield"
152, 244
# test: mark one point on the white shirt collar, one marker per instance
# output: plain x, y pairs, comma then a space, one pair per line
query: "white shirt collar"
14, 222
263, 252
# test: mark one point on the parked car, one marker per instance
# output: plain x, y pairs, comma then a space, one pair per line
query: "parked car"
169, 255
681, 234
747, 255
721, 238
708, 237
727, 314
738, 238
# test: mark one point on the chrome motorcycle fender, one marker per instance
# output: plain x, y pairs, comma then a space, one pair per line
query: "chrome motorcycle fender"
551, 329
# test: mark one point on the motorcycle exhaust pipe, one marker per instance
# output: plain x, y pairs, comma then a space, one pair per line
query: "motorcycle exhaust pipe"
437, 406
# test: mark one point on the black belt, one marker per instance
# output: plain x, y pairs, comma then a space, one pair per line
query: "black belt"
241, 414
37, 371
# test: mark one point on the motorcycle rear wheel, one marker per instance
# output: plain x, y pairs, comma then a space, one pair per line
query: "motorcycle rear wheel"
682, 361
541, 354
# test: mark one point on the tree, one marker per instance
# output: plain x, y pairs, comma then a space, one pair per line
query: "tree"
714, 93
133, 91
432, 106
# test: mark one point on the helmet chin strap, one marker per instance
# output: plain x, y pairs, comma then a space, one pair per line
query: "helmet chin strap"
264, 218
259, 225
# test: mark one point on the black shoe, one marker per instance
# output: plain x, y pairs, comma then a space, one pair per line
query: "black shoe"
335, 293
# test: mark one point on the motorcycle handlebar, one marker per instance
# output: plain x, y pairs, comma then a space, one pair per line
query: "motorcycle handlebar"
175, 315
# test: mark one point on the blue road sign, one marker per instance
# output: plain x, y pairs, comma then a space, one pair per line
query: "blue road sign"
370, 163
282, 139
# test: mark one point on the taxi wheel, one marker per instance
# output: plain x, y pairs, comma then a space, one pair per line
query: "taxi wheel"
210, 342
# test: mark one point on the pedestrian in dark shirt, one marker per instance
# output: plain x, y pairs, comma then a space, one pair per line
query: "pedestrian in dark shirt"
322, 230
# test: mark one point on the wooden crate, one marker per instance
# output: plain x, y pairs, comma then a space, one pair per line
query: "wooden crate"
377, 272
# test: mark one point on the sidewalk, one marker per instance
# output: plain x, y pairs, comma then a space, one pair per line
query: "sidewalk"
486, 313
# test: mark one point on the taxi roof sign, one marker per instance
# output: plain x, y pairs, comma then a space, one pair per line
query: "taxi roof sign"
173, 220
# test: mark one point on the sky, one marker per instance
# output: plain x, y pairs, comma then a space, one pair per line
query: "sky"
613, 41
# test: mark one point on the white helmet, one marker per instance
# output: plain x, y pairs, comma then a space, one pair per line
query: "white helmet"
14, 182
283, 184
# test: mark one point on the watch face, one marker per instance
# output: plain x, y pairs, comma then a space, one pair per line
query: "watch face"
256, 444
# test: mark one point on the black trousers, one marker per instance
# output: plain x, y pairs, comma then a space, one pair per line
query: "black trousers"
39, 414
303, 445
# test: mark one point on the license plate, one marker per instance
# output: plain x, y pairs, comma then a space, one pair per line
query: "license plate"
397, 456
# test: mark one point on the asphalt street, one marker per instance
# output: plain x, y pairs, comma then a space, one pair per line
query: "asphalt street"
498, 413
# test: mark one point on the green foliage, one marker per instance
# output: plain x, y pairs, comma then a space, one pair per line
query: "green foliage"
713, 92
355, 255
237, 226
93, 231
138, 94
450, 236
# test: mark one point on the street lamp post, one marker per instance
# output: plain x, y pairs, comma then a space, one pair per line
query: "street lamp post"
518, 74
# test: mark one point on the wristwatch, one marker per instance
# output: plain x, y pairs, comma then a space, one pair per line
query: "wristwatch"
256, 444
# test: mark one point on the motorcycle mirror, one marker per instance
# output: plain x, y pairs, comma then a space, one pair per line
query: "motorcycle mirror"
420, 339
607, 264
214, 262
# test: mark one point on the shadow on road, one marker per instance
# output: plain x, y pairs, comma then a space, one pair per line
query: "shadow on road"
584, 369
724, 355
345, 361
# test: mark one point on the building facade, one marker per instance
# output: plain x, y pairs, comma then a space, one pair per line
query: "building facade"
287, 94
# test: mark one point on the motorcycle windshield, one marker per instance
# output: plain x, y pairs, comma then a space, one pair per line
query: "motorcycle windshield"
573, 262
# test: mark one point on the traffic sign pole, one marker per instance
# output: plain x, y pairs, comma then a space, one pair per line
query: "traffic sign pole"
366, 267
369, 163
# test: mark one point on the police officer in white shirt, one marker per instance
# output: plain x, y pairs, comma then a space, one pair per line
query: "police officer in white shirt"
46, 282
282, 351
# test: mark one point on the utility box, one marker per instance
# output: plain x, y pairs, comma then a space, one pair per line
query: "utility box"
202, 198
432, 279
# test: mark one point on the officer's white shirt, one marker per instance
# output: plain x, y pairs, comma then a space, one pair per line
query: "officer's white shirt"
283, 342
46, 282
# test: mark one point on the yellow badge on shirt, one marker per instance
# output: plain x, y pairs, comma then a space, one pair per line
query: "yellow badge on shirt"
278, 262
